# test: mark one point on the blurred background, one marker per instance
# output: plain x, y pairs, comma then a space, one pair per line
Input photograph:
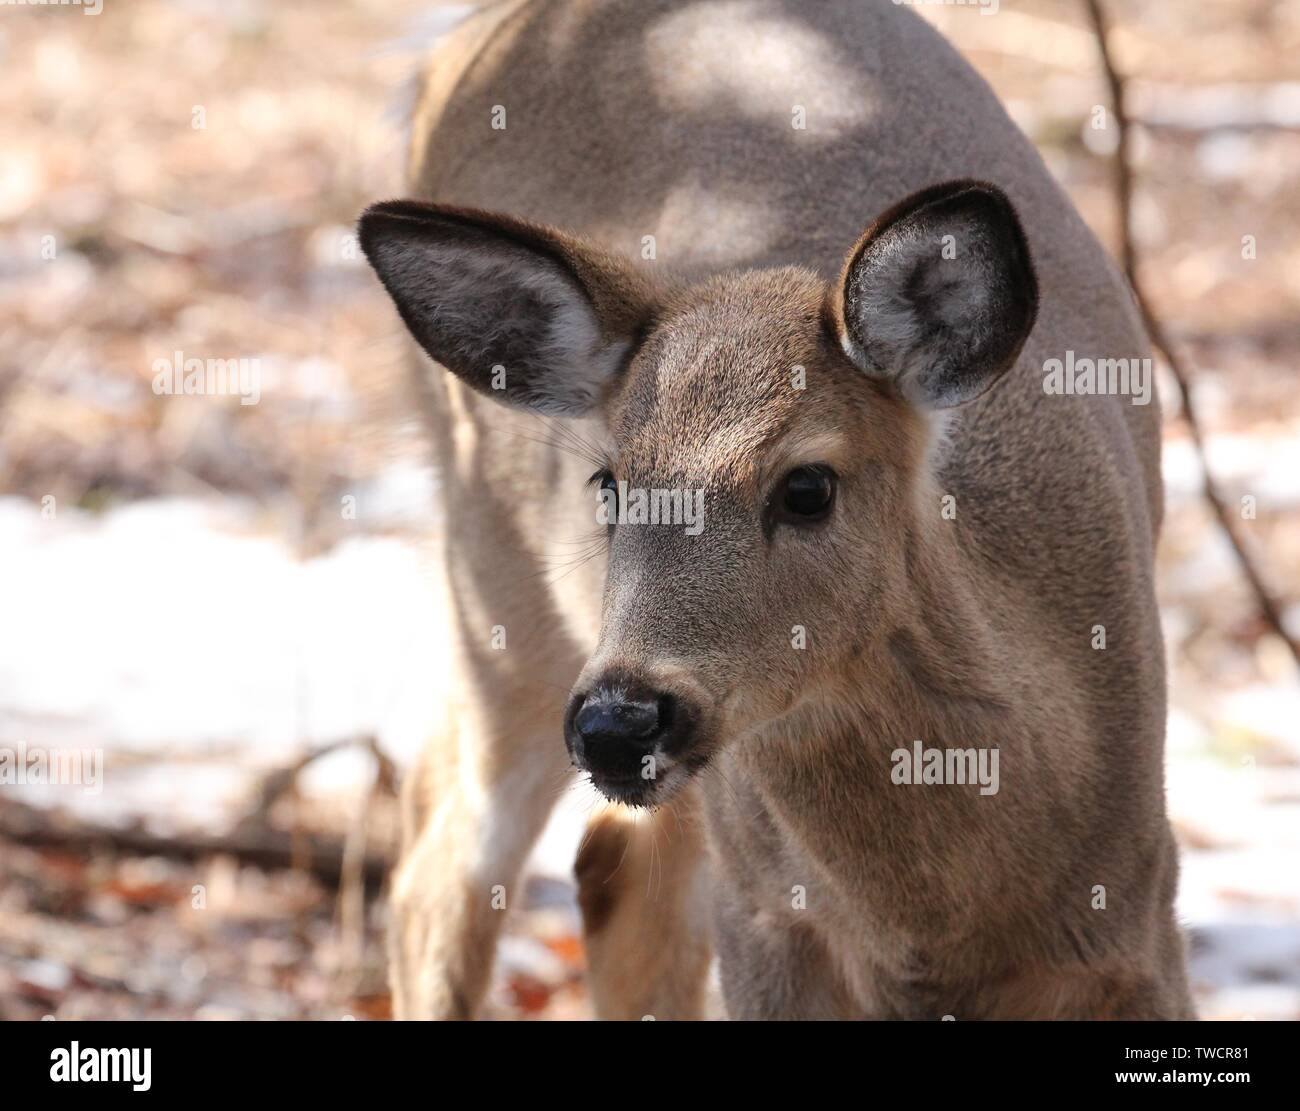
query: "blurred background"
227, 603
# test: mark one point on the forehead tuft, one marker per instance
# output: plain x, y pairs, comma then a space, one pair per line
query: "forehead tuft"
719, 375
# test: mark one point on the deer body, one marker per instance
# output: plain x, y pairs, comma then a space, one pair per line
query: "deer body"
905, 537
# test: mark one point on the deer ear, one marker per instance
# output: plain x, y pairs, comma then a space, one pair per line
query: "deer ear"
524, 314
939, 295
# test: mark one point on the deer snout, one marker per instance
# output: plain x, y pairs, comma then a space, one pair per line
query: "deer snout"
616, 722
626, 735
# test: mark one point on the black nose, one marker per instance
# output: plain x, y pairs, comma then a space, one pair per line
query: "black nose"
604, 722
612, 730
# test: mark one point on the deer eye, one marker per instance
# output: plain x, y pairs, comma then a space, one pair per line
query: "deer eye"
807, 493
605, 482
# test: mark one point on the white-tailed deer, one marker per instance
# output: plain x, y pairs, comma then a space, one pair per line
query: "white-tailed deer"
886, 641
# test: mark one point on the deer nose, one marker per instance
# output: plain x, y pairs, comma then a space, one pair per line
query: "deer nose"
607, 722
613, 731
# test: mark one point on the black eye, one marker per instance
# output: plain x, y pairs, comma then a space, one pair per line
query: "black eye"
807, 493
605, 482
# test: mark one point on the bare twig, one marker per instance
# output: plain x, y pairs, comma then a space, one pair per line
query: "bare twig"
23, 824
280, 781
351, 916
1268, 604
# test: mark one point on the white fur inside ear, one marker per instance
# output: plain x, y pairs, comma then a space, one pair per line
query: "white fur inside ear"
853, 349
885, 315
894, 329
953, 290
482, 299
940, 299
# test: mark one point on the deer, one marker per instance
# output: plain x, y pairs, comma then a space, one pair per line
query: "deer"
794, 261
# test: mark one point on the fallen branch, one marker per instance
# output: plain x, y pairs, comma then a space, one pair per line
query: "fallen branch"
270, 849
1268, 604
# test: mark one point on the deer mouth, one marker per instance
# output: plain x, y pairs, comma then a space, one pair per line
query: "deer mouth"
641, 793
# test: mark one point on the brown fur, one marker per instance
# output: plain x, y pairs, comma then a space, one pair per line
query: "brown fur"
965, 632
642, 889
